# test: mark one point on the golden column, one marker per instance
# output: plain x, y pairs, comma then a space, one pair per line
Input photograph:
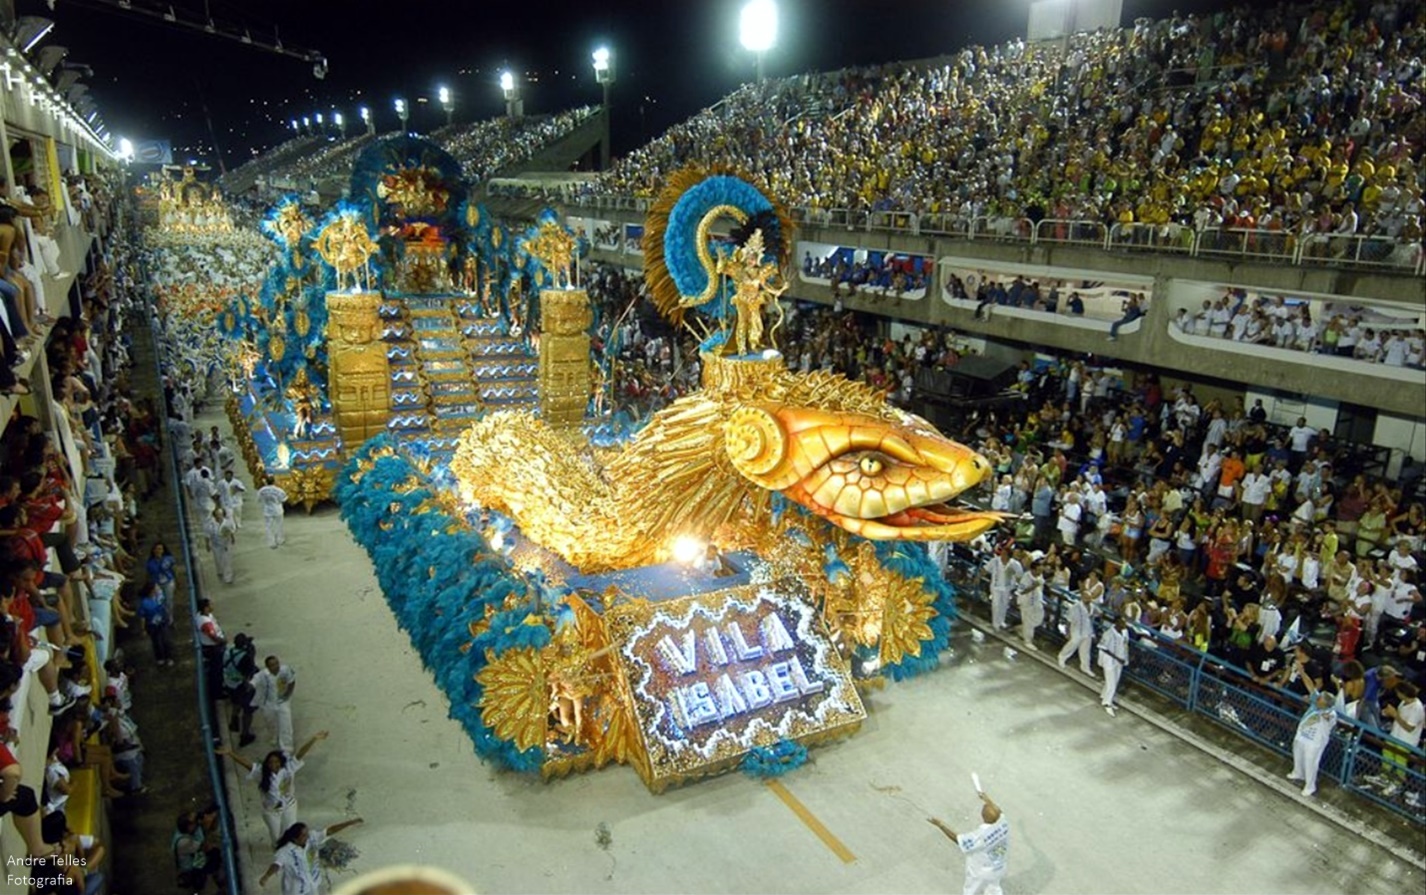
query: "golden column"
564, 356
359, 377
565, 379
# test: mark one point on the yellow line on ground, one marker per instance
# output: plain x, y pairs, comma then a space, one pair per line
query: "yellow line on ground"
813, 824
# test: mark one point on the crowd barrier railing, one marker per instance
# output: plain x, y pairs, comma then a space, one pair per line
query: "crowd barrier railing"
1174, 238
207, 721
1207, 685
1278, 246
1239, 242
1070, 232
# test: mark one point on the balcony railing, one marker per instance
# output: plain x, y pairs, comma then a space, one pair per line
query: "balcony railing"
1277, 246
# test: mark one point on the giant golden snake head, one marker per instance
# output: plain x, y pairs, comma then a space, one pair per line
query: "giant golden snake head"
878, 478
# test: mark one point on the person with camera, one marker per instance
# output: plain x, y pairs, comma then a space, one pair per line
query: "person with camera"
239, 667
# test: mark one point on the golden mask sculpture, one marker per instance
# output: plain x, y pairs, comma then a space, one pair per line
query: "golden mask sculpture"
359, 380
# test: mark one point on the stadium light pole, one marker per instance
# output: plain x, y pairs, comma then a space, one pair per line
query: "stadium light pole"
444, 94
757, 29
341, 122
514, 105
604, 74
320, 129
366, 119
402, 112
307, 124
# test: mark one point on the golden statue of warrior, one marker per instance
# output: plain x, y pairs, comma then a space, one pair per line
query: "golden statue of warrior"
752, 289
347, 246
291, 224
555, 248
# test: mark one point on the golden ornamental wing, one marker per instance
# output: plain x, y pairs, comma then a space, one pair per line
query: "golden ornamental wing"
515, 701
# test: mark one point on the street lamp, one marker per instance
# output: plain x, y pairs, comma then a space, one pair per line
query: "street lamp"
307, 124
444, 94
295, 128
514, 105
604, 74
318, 116
366, 119
341, 122
757, 29
402, 112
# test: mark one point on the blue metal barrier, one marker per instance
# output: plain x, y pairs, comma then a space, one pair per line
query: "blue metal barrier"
1228, 696
1166, 668
205, 705
1370, 756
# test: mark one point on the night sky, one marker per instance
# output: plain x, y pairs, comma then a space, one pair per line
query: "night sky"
672, 58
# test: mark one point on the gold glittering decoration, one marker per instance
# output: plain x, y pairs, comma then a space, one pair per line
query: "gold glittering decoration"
565, 375
663, 292
906, 613
705, 251
291, 225
358, 369
847, 456
714, 675
417, 190
515, 697
188, 208
308, 485
346, 245
555, 247
753, 288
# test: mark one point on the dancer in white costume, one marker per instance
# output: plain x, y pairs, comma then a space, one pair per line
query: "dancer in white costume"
1113, 656
271, 498
1314, 732
986, 848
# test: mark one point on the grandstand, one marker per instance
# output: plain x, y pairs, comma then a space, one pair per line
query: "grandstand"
1189, 123
483, 148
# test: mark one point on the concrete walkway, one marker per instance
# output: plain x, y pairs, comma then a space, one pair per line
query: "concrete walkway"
1097, 804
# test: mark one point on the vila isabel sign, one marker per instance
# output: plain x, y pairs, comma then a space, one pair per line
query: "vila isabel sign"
713, 675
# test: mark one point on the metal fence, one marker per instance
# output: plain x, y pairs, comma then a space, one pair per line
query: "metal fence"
1226, 695
1276, 246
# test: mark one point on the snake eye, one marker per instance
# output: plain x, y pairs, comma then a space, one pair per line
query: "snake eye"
870, 465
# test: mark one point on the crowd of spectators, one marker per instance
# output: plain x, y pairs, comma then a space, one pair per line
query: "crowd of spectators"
1300, 118
651, 363
884, 275
1270, 547
483, 148
263, 165
69, 538
1272, 320
487, 147
325, 162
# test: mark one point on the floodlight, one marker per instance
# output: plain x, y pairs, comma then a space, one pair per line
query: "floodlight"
757, 25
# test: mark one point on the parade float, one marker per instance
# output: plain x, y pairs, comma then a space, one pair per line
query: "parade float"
712, 586
714, 591
402, 311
